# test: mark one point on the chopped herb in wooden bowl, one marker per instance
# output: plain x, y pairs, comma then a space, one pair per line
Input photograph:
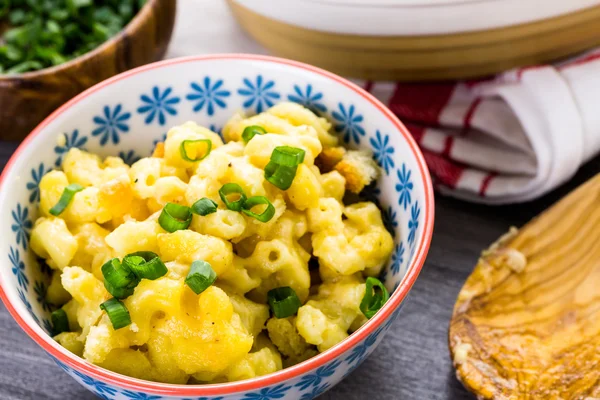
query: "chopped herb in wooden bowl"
43, 33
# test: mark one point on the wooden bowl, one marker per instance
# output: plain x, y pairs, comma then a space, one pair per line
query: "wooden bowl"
418, 56
26, 99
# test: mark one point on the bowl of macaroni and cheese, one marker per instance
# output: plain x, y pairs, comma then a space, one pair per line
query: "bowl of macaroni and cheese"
215, 227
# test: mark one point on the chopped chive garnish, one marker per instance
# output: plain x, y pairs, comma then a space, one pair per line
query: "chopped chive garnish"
282, 167
251, 131
119, 280
375, 297
38, 34
66, 198
287, 156
266, 215
232, 189
117, 313
284, 301
145, 265
175, 217
280, 175
204, 206
200, 277
60, 322
195, 150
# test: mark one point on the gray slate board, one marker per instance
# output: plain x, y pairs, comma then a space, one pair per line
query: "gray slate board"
411, 363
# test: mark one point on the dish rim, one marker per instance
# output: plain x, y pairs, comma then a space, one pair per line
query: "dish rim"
55, 350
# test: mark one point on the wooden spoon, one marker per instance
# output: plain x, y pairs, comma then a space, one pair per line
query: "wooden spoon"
526, 324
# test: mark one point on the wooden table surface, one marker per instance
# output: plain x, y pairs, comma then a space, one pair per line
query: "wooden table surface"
412, 362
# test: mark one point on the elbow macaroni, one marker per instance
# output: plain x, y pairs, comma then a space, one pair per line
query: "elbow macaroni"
226, 332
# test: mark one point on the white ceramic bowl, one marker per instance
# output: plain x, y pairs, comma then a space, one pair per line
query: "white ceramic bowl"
412, 17
421, 40
126, 114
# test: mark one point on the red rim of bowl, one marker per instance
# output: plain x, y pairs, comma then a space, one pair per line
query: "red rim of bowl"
63, 355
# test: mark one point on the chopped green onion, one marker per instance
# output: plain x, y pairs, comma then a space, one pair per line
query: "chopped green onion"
251, 131
66, 198
43, 33
175, 217
229, 189
119, 280
145, 265
117, 313
282, 167
280, 175
204, 206
287, 156
190, 150
266, 215
60, 322
284, 302
373, 299
200, 277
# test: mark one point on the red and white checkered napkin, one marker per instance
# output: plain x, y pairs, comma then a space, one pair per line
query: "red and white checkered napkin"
506, 139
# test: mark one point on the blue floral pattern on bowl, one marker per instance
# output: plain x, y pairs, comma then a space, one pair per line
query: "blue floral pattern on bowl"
48, 328
210, 94
314, 379
399, 192
28, 305
21, 225
348, 123
129, 157
18, 268
111, 124
360, 352
404, 186
383, 152
309, 98
315, 392
390, 219
268, 393
98, 387
33, 186
158, 105
397, 258
70, 141
40, 290
259, 94
139, 396
413, 223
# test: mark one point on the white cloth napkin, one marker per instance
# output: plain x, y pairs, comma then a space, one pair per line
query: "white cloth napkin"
506, 139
